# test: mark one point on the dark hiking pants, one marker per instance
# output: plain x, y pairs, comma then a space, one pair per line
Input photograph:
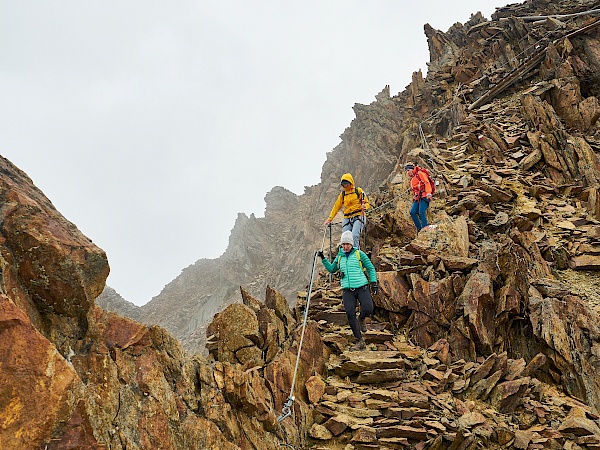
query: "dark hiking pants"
350, 297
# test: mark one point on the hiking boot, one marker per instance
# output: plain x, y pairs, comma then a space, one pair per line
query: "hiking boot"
360, 345
362, 325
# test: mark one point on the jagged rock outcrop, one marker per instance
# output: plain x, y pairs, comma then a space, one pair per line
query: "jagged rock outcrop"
485, 333
468, 62
76, 376
398, 395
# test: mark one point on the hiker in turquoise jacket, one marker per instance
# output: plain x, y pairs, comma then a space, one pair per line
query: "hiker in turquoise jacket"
355, 286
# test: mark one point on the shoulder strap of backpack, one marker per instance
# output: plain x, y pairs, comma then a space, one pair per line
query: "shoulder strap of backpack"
339, 255
355, 191
359, 259
358, 252
420, 178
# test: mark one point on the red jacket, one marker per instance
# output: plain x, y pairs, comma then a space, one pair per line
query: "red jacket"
420, 185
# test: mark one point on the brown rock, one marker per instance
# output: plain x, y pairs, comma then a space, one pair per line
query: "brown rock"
497, 195
442, 349
38, 388
585, 262
551, 288
394, 292
450, 238
508, 302
523, 438
428, 304
52, 270
515, 368
531, 159
482, 388
320, 432
280, 371
458, 262
365, 435
380, 376
79, 433
337, 424
504, 435
470, 419
484, 369
401, 431
566, 327
535, 364
335, 317
506, 396
315, 387
250, 301
271, 332
578, 424
477, 302
277, 302
236, 328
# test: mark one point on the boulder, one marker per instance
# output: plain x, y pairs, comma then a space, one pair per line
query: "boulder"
449, 237
477, 304
235, 328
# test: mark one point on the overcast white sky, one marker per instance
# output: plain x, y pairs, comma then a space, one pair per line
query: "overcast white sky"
151, 124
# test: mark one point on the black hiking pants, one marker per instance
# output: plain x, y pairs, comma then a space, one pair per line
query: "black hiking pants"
361, 295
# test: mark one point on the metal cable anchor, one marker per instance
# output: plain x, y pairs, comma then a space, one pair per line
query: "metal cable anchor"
286, 411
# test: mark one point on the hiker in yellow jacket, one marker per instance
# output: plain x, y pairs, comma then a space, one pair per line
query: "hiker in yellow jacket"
355, 203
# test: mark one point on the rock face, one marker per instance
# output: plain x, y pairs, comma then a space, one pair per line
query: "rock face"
485, 332
74, 376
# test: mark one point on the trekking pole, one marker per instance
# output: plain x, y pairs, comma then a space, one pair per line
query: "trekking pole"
330, 251
364, 230
364, 221
286, 410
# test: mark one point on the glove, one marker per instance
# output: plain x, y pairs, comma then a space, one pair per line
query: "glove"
320, 254
374, 288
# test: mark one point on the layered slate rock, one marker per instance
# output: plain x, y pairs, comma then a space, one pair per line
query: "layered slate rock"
485, 327
397, 395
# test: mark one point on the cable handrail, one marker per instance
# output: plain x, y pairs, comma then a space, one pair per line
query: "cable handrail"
286, 410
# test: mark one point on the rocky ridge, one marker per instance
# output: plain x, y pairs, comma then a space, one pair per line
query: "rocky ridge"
485, 332
467, 63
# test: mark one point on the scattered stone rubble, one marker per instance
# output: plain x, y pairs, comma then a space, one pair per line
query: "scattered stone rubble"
486, 330
399, 395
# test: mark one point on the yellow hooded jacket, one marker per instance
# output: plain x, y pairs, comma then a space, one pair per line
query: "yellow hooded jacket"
350, 201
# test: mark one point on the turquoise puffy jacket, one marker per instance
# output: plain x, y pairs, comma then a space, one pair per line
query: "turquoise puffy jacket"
354, 276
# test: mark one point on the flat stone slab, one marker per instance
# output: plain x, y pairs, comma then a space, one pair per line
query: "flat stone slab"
335, 317
380, 376
367, 360
585, 262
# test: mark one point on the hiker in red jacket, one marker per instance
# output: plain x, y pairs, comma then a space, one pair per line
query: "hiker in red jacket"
422, 191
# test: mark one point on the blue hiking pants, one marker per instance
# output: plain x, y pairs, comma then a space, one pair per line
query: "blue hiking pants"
356, 225
418, 212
